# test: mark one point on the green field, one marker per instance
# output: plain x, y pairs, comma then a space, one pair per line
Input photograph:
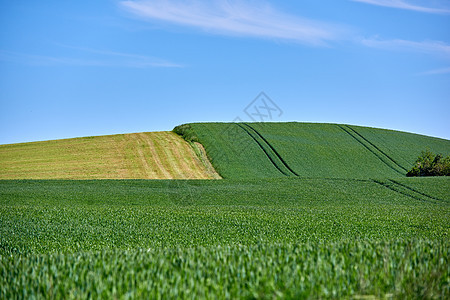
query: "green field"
275, 227
290, 237
267, 150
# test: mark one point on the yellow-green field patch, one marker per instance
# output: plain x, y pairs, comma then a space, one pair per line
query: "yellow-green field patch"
150, 155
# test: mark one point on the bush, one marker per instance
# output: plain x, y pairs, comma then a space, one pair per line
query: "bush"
187, 132
429, 164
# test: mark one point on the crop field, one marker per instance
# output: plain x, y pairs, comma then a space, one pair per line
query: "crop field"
151, 155
267, 150
228, 238
403, 147
233, 153
276, 226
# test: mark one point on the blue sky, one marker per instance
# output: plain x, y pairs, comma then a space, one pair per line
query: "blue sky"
83, 68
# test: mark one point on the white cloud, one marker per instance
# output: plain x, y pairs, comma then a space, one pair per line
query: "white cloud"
408, 5
236, 17
241, 18
99, 58
429, 47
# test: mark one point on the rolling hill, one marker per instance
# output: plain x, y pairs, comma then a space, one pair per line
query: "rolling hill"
264, 150
236, 150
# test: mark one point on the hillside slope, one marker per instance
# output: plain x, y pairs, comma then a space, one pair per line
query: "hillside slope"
263, 150
151, 155
236, 150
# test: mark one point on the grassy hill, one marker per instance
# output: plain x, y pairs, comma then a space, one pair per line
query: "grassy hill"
236, 150
263, 150
151, 155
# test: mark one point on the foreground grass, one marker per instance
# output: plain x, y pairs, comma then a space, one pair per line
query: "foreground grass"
290, 238
400, 269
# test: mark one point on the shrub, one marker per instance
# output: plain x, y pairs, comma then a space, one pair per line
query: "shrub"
429, 164
187, 132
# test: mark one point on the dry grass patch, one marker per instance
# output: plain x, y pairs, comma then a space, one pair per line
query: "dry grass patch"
150, 155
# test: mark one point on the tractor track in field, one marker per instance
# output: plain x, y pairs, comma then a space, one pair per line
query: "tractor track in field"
386, 159
270, 152
418, 192
408, 191
377, 148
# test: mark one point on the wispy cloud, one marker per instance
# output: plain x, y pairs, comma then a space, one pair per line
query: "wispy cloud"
89, 57
436, 71
236, 17
437, 48
241, 18
409, 5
